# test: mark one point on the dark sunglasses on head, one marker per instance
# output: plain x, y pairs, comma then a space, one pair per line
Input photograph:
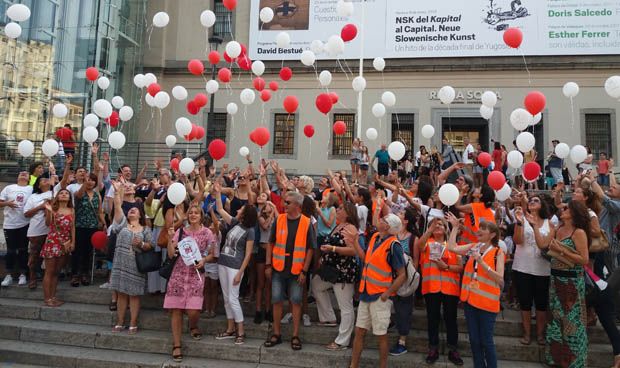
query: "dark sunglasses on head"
535, 200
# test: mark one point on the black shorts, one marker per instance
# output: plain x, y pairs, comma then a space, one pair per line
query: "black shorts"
383, 169
261, 254
531, 290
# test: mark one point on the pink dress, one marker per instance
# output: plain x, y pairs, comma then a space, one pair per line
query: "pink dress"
185, 288
60, 233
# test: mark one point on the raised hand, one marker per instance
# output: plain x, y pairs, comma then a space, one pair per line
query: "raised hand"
68, 160
94, 149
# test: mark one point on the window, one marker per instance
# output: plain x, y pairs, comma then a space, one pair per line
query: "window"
341, 144
403, 128
598, 134
224, 20
216, 129
284, 134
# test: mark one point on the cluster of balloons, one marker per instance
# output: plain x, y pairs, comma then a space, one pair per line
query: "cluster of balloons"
260, 136
489, 100
17, 13
187, 130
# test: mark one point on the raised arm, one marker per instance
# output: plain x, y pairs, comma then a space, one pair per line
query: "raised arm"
119, 193
443, 177
65, 177
452, 246
217, 192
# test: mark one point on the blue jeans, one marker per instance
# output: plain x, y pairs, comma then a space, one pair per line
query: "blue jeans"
283, 285
481, 326
404, 308
603, 180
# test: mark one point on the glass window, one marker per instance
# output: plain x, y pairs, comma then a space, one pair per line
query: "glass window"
598, 133
284, 134
216, 129
403, 128
341, 144
224, 20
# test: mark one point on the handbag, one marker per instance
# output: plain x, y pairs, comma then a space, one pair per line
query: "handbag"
562, 257
165, 270
149, 261
328, 273
599, 244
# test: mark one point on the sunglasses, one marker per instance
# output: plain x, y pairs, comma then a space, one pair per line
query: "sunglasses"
534, 200
287, 202
241, 178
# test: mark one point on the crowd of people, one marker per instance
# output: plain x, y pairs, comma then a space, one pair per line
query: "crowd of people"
265, 236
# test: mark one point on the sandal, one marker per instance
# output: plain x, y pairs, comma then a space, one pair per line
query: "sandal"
195, 333
75, 281
85, 281
295, 343
113, 306
57, 303
118, 328
226, 335
49, 303
273, 341
525, 341
177, 357
240, 339
133, 330
333, 346
32, 284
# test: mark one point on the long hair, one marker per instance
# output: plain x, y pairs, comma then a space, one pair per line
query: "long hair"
351, 212
487, 196
593, 200
580, 218
249, 217
544, 211
491, 227
308, 207
412, 216
56, 203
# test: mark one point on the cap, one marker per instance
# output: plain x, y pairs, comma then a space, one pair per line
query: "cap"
394, 222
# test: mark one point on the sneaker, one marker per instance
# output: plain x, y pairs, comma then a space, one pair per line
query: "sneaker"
8, 280
455, 357
286, 319
306, 319
398, 349
105, 286
22, 280
259, 317
433, 356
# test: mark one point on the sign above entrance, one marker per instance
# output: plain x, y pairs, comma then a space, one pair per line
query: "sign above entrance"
464, 96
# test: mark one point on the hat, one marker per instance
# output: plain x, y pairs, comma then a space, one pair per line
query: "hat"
394, 222
555, 141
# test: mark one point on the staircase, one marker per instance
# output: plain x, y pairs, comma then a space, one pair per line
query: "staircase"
78, 334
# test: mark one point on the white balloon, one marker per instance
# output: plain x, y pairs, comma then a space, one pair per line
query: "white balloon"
447, 95
186, 166
232, 108
103, 83
162, 99
612, 86
428, 131
489, 99
372, 134
90, 134
486, 112
578, 154
116, 140
308, 58
283, 40
25, 148
50, 147
125, 113
379, 64
562, 150
448, 194
537, 118
515, 159
335, 46
258, 68
207, 18
233, 49
359, 84
13, 30
521, 119
344, 8
91, 120
161, 19
378, 110
396, 150
247, 96
525, 142
150, 100
504, 193
171, 141
244, 151
102, 108
149, 78
388, 98
118, 102
176, 193
179, 93
325, 78
138, 80
317, 46
266, 14
212, 86
18, 12
570, 90
60, 110
184, 126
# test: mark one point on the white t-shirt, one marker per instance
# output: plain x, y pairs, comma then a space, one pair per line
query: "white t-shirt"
528, 258
72, 188
362, 214
432, 212
14, 217
37, 222
465, 158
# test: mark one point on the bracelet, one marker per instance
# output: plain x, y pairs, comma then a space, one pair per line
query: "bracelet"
333, 248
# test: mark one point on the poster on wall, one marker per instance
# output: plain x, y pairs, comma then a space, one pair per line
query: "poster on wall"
448, 28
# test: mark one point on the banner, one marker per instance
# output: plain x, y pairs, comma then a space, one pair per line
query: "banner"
446, 28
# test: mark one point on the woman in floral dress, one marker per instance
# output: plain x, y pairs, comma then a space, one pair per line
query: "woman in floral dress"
59, 216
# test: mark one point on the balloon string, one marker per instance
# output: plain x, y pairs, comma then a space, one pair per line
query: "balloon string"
383, 80
310, 153
262, 119
207, 46
150, 31
342, 69
232, 128
572, 114
329, 136
400, 137
232, 36
159, 124
245, 114
529, 76
347, 65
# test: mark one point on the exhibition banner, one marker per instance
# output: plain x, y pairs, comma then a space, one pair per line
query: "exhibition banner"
445, 28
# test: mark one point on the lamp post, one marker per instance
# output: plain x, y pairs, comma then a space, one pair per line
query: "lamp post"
214, 41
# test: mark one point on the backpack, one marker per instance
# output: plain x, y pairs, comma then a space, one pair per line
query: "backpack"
412, 281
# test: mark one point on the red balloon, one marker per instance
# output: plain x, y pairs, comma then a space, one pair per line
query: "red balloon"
513, 37
113, 120
265, 95
261, 136
225, 75
92, 74
309, 131
217, 149
273, 85
496, 180
349, 32
484, 159
291, 103
259, 83
340, 128
192, 108
324, 103
244, 62
174, 164
99, 240
201, 100
244, 50
200, 132
535, 102
193, 134
195, 67
214, 57
253, 136
230, 4
286, 74
228, 58
153, 89
334, 97
531, 171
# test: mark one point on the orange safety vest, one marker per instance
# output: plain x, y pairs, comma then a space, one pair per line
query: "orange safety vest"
435, 280
479, 212
481, 291
299, 251
377, 272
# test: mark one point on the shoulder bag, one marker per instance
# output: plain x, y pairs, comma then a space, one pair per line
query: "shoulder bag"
599, 244
166, 269
148, 261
